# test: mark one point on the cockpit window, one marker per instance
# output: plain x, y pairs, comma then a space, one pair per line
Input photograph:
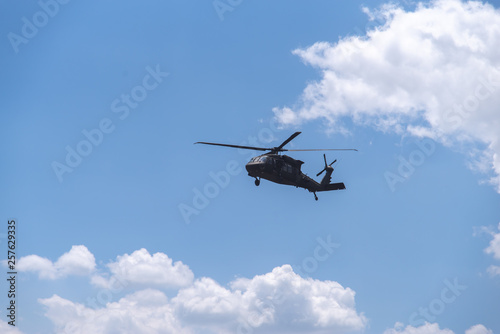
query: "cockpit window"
263, 159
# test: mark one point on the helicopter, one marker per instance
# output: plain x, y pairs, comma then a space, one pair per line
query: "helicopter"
282, 169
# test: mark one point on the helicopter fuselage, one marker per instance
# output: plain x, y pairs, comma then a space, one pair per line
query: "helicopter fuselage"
280, 169
283, 169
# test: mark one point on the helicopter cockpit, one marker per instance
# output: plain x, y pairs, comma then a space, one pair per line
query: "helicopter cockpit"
261, 159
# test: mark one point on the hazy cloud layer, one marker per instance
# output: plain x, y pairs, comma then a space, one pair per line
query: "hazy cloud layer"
432, 72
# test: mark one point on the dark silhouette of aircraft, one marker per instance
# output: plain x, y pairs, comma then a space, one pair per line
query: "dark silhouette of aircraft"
282, 169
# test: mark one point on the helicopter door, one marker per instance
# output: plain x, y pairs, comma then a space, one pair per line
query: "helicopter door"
287, 168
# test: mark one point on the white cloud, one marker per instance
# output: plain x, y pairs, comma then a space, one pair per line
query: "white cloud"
208, 305
427, 328
279, 301
433, 328
290, 300
140, 267
78, 261
494, 247
5, 328
478, 329
493, 270
433, 72
145, 311
275, 302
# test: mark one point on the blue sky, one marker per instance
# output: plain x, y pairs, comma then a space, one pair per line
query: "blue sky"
103, 243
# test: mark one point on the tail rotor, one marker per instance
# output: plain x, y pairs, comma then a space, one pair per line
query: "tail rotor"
326, 165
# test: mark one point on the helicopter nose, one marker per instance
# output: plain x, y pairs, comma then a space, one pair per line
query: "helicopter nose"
255, 168
252, 168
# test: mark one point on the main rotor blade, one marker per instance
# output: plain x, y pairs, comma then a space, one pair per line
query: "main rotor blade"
289, 140
236, 146
323, 149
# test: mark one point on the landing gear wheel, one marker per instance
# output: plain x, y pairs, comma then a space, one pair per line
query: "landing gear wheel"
257, 182
315, 197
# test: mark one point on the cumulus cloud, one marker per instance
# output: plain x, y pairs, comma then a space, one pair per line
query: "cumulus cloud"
279, 301
78, 261
429, 328
142, 268
433, 72
207, 302
478, 329
275, 302
426, 328
290, 300
145, 311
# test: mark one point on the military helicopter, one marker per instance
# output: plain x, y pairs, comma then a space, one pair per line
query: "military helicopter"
282, 169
